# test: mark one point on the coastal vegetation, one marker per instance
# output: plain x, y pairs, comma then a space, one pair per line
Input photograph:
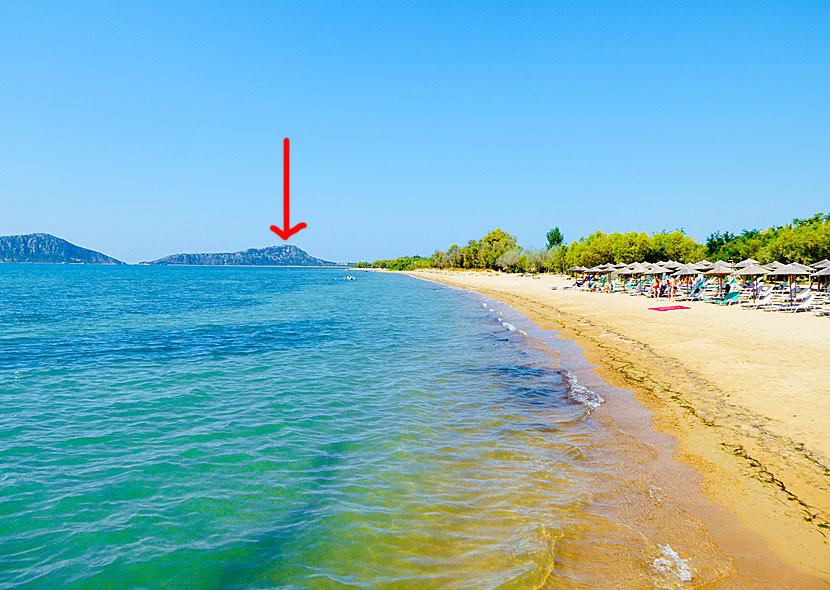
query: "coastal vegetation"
802, 240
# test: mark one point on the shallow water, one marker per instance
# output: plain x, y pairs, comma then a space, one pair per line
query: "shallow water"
283, 428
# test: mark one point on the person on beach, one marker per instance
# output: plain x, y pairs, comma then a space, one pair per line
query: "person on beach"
655, 287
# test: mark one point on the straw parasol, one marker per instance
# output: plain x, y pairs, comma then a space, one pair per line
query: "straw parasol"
824, 272
577, 269
634, 269
599, 270
687, 270
703, 265
753, 270
655, 269
746, 263
774, 265
804, 267
789, 271
720, 269
821, 264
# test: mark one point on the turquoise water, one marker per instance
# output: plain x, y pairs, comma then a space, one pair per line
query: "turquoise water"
278, 428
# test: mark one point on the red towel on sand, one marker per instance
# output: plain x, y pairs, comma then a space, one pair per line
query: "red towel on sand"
669, 308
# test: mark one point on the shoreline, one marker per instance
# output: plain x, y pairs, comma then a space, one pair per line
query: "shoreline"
749, 463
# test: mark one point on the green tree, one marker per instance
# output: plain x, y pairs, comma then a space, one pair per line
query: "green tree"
492, 246
555, 238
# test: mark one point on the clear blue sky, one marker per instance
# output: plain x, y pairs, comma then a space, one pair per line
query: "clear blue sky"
147, 128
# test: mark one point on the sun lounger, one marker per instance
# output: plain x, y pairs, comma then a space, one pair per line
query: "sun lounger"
760, 303
731, 298
805, 305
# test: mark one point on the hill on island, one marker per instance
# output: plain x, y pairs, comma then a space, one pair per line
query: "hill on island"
284, 255
46, 248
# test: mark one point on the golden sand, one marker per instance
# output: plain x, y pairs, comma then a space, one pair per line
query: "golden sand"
745, 393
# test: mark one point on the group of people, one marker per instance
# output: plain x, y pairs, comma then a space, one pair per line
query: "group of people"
664, 288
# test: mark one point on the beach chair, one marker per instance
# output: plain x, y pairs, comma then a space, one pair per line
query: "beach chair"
698, 291
805, 305
766, 291
762, 301
731, 298
638, 286
587, 284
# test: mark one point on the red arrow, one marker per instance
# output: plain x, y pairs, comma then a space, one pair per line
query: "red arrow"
288, 231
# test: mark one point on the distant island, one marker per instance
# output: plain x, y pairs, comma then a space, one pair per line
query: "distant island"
49, 249
284, 255
46, 248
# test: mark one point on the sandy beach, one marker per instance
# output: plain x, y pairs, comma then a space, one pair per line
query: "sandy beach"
745, 393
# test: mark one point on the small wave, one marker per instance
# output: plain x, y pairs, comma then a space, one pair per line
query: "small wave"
484, 305
492, 310
522, 332
581, 394
671, 565
510, 327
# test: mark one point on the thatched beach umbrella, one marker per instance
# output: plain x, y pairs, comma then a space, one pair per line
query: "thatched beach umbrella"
720, 269
687, 270
821, 264
774, 265
599, 270
703, 265
753, 270
655, 269
746, 263
789, 271
824, 272
808, 269
631, 269
804, 267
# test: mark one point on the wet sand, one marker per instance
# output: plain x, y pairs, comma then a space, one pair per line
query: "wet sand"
746, 394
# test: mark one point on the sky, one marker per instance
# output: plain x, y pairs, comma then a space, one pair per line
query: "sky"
142, 129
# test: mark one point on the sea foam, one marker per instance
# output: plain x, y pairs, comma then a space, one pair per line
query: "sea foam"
672, 565
580, 393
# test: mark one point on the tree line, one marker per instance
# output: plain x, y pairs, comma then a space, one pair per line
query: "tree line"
803, 240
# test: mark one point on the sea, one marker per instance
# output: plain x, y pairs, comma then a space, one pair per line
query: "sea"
284, 428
